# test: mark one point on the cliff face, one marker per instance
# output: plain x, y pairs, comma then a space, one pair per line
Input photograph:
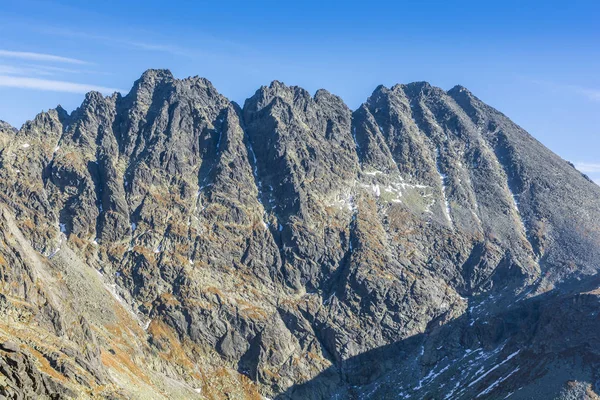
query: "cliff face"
172, 244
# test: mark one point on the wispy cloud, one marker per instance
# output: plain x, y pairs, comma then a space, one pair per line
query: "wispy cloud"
119, 41
24, 70
592, 94
205, 42
48, 69
25, 55
588, 168
52, 85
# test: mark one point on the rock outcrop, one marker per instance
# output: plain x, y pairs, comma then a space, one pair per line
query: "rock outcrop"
173, 244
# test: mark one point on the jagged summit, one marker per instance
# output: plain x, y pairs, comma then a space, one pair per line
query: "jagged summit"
172, 244
6, 126
459, 89
156, 75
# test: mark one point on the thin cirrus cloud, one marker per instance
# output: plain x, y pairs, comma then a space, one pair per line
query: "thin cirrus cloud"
53, 85
25, 55
12, 70
592, 94
24, 77
225, 47
588, 168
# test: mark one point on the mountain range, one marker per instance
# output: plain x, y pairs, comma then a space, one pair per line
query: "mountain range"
171, 243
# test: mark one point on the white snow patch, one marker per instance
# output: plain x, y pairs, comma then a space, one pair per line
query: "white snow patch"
515, 201
54, 252
259, 184
112, 289
431, 377
396, 188
499, 381
25, 145
343, 200
494, 368
354, 137
326, 302
376, 190
443, 180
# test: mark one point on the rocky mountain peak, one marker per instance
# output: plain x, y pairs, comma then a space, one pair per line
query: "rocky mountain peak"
152, 77
7, 127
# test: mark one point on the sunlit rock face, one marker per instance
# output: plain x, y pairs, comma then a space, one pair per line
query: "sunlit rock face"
173, 244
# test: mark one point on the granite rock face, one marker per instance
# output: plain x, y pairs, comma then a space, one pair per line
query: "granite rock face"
173, 244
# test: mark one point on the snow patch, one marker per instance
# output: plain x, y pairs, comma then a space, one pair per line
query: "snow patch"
431, 376
497, 382
494, 368
112, 289
342, 200
354, 137
376, 190
443, 181
259, 185
147, 324
54, 252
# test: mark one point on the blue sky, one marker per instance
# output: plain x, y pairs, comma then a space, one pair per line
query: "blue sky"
538, 62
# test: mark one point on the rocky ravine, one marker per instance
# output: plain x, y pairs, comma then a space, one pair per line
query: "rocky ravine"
172, 244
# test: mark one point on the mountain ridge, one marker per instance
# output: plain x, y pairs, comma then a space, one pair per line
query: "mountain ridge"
261, 248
